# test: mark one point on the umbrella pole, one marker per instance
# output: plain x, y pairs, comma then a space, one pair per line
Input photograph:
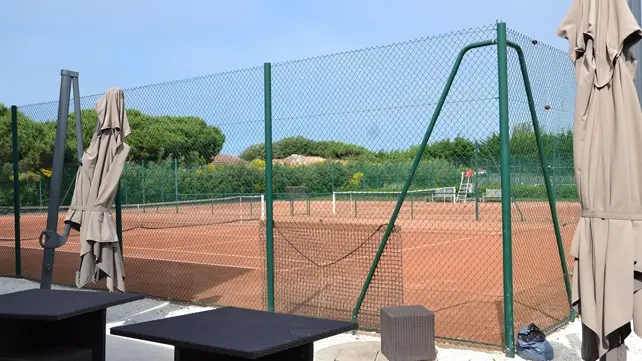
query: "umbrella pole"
50, 239
636, 9
16, 188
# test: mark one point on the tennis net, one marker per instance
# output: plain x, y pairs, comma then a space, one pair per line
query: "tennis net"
177, 214
320, 269
341, 201
194, 213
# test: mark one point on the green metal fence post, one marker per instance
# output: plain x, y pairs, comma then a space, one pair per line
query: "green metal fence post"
308, 204
269, 215
16, 187
40, 190
356, 211
142, 169
476, 181
507, 249
432, 175
291, 205
176, 183
412, 207
119, 218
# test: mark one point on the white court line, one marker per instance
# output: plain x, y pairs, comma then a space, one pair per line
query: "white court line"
256, 257
172, 251
203, 244
191, 233
448, 242
178, 250
174, 260
402, 250
194, 262
160, 250
312, 266
192, 252
208, 254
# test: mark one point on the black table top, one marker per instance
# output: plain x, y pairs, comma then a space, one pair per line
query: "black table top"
39, 304
235, 331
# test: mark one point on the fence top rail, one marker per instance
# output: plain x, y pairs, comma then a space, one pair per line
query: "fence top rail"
453, 33
429, 190
144, 86
427, 38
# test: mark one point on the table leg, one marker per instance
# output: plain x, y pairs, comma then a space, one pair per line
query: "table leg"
302, 353
83, 331
86, 331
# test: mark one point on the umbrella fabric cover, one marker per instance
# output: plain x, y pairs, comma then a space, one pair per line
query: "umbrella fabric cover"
94, 193
607, 147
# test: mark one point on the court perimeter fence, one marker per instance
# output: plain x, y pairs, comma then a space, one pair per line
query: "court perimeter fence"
474, 240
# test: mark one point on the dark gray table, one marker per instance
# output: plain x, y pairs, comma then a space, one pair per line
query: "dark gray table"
41, 319
233, 334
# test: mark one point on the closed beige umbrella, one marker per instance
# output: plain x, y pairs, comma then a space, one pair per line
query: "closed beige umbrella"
94, 193
607, 147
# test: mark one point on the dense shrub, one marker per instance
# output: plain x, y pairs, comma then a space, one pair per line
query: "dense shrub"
170, 160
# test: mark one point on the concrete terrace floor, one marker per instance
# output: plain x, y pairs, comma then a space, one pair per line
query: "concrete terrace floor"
345, 347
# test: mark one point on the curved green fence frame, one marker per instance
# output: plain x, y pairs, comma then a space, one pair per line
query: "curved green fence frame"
502, 45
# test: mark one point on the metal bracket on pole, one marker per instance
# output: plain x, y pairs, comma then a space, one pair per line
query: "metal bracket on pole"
49, 238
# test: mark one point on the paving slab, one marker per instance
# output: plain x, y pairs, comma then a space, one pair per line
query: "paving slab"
351, 351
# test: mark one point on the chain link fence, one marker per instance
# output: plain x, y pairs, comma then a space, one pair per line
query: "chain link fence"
190, 207
346, 129
7, 220
539, 291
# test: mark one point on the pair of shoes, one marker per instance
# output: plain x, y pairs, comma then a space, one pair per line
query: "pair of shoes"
532, 344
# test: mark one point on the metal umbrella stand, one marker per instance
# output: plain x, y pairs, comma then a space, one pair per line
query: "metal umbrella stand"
49, 238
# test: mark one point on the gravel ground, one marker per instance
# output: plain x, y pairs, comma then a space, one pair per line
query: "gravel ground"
566, 341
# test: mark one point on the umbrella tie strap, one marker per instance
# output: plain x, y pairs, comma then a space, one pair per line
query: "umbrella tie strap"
608, 215
89, 209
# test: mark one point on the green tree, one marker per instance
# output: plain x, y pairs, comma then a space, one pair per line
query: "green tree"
339, 150
255, 151
458, 151
308, 147
188, 138
295, 145
153, 138
35, 140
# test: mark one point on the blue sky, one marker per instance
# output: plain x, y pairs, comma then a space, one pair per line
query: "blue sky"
132, 43
136, 42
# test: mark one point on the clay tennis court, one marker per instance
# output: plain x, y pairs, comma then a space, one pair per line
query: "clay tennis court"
451, 262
